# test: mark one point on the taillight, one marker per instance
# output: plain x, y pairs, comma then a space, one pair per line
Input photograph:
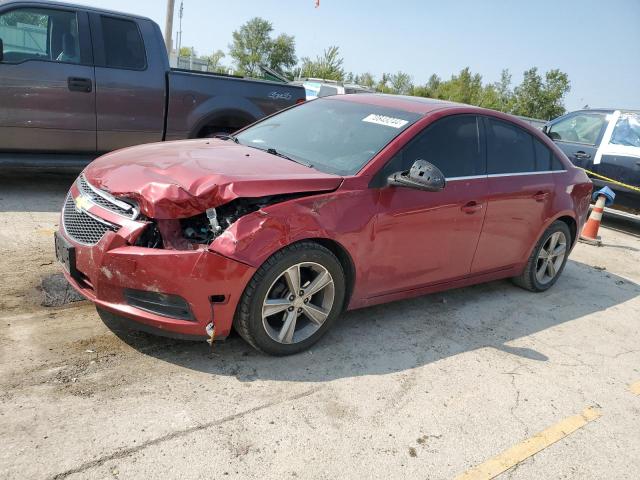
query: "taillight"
300, 100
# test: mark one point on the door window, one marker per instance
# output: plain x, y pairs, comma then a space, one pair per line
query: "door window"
451, 144
580, 128
123, 46
40, 34
509, 148
545, 158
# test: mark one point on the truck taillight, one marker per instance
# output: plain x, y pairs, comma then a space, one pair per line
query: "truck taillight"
300, 100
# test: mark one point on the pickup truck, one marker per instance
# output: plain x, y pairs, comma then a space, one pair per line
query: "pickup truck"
76, 82
605, 142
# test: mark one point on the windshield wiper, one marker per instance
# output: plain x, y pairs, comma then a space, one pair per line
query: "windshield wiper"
225, 136
273, 151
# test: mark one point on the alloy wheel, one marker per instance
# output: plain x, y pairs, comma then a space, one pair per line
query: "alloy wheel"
298, 302
550, 257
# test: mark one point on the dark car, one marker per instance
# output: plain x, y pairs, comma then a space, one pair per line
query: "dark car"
76, 82
280, 228
606, 142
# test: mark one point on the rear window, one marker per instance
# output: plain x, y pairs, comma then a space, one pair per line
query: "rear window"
123, 47
627, 130
509, 148
334, 136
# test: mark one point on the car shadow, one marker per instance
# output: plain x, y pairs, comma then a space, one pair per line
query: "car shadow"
34, 191
406, 334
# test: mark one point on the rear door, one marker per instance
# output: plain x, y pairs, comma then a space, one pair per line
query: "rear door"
521, 189
130, 81
47, 95
423, 237
578, 135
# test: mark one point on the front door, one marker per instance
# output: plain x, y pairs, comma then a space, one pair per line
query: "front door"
578, 136
424, 238
47, 93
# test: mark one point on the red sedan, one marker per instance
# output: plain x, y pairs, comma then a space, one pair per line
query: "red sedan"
339, 203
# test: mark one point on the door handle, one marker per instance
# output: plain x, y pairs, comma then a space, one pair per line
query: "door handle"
541, 196
471, 207
77, 84
580, 155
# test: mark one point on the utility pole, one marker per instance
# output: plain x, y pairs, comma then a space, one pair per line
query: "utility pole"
180, 31
168, 26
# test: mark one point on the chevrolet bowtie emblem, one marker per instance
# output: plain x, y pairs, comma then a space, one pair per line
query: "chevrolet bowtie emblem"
82, 202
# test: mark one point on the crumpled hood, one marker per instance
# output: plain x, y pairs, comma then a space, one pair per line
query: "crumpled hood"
184, 178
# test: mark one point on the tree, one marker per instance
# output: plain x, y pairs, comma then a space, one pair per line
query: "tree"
400, 83
541, 99
213, 62
252, 45
187, 52
327, 66
365, 79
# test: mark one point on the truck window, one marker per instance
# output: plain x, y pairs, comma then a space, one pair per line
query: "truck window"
579, 128
39, 34
627, 130
123, 47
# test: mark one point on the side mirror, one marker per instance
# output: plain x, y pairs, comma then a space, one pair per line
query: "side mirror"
422, 175
1, 50
545, 129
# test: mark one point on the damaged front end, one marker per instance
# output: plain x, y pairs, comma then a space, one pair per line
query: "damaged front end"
200, 230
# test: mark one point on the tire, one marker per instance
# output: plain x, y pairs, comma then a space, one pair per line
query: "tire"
272, 282
530, 278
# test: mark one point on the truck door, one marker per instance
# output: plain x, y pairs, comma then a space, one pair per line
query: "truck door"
578, 136
47, 93
131, 65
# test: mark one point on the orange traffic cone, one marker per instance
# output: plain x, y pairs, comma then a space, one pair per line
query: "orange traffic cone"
590, 231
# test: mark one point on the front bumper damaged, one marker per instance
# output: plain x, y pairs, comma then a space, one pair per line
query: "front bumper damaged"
182, 293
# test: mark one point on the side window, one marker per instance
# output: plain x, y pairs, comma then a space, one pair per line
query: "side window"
627, 130
509, 148
451, 144
580, 128
123, 46
39, 34
545, 159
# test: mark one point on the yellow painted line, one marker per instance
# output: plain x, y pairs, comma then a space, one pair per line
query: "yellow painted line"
635, 388
516, 454
47, 232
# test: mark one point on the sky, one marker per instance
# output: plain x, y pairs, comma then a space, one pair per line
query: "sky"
596, 42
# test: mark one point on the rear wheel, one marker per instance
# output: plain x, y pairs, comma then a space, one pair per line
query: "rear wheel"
292, 300
547, 259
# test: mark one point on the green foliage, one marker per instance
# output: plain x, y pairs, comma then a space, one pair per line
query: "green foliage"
252, 45
532, 98
33, 18
327, 66
541, 99
213, 62
187, 52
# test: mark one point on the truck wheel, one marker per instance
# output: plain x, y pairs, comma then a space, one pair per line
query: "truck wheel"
547, 259
292, 299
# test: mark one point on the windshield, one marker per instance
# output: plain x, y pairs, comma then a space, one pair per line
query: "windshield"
334, 136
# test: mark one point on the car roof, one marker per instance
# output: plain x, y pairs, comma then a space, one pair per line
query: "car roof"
420, 105
49, 3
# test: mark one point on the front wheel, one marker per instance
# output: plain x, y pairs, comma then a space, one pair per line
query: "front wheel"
292, 299
547, 259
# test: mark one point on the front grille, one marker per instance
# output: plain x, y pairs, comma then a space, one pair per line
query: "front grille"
105, 200
81, 226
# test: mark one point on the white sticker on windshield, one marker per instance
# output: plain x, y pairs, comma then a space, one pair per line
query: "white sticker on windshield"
386, 121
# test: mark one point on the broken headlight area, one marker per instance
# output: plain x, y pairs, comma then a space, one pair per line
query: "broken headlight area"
189, 233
